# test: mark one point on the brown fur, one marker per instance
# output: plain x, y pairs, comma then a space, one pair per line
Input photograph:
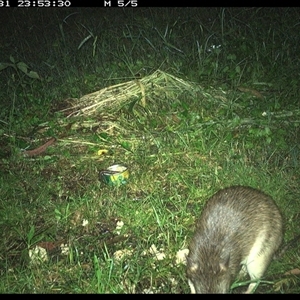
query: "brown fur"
238, 226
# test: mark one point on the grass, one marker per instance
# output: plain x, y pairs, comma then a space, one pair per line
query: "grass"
191, 102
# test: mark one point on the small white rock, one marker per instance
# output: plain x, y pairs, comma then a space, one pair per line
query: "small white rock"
38, 255
181, 256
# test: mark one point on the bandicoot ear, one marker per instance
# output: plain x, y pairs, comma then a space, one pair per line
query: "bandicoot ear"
224, 264
223, 268
194, 267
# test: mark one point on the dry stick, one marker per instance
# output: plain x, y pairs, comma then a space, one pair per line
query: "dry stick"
39, 150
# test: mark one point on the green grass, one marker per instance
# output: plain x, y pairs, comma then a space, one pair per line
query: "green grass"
180, 148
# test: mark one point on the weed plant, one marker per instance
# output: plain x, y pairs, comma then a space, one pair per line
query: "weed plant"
59, 223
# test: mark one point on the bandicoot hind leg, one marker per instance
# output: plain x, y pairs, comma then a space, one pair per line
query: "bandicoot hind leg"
256, 265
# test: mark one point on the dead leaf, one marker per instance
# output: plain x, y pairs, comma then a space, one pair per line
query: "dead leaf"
293, 272
251, 91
